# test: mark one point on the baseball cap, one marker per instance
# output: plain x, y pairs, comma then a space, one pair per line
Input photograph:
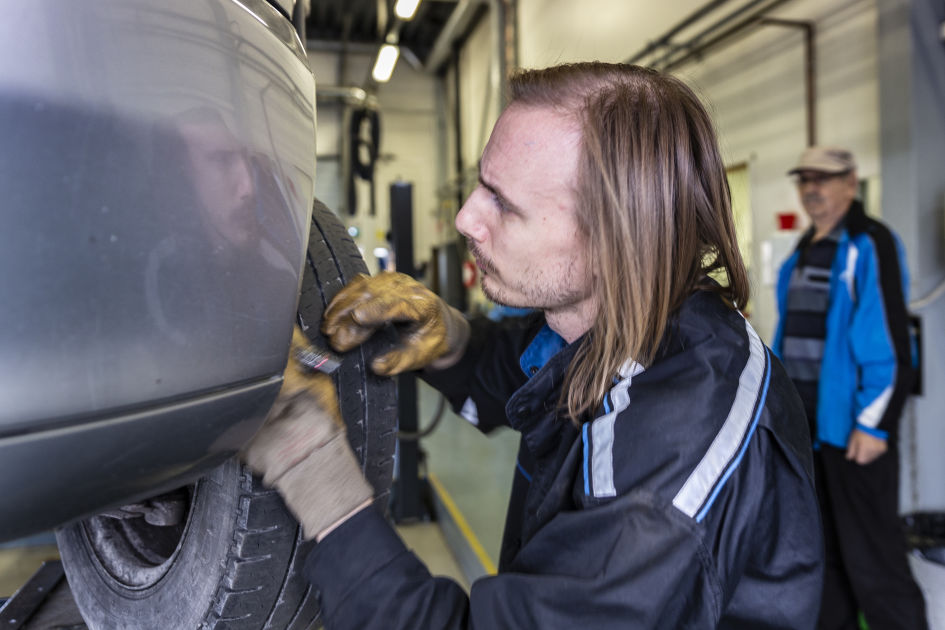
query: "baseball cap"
825, 160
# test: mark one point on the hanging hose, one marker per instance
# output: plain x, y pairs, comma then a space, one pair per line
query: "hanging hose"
363, 169
414, 436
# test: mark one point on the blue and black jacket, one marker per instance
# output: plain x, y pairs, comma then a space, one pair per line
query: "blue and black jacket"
867, 351
687, 502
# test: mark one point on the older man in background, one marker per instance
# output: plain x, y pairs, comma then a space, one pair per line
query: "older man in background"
843, 336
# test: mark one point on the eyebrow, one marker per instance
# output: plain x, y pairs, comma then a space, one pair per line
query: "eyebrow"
498, 193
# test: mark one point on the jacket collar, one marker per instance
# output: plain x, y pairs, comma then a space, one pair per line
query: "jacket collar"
543, 347
532, 410
853, 222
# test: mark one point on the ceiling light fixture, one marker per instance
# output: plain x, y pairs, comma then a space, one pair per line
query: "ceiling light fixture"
406, 9
386, 60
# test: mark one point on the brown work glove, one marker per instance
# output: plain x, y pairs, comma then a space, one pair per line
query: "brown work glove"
431, 332
303, 452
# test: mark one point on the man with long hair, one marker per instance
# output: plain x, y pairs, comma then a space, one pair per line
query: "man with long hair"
664, 477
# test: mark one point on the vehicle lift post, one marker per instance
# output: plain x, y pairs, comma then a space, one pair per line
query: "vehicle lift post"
411, 495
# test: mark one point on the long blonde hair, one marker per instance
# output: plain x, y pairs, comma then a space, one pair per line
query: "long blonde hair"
654, 205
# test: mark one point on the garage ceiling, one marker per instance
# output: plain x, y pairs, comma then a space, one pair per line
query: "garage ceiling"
367, 22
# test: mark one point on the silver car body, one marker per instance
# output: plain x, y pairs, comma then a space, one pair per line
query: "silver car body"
156, 180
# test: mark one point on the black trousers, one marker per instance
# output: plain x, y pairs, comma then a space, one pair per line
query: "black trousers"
866, 565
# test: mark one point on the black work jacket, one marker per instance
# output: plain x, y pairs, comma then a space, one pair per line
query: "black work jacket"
688, 502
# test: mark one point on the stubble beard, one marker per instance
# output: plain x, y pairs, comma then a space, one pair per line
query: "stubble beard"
487, 269
495, 297
536, 295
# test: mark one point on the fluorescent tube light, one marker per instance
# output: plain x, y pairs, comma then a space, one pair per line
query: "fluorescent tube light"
386, 60
406, 9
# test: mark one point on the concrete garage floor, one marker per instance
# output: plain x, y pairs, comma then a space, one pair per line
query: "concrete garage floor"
471, 476
931, 579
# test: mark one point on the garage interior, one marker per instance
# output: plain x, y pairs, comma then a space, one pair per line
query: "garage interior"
778, 75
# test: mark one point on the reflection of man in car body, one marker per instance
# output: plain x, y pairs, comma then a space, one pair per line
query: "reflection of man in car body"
222, 175
229, 199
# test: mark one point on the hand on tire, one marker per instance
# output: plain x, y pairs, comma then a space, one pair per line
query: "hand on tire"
303, 452
431, 332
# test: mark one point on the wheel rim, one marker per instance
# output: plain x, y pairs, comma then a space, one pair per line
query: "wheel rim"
134, 552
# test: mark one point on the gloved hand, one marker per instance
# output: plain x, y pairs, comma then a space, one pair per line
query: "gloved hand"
431, 332
302, 451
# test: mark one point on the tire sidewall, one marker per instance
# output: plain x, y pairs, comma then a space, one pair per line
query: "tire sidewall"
180, 598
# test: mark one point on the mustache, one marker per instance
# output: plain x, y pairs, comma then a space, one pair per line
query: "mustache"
812, 198
481, 258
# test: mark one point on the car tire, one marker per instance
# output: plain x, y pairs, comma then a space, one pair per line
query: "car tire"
233, 560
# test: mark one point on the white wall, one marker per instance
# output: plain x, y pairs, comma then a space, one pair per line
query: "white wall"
479, 96
558, 31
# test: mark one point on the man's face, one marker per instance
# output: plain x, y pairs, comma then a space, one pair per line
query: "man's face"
222, 179
825, 197
521, 220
